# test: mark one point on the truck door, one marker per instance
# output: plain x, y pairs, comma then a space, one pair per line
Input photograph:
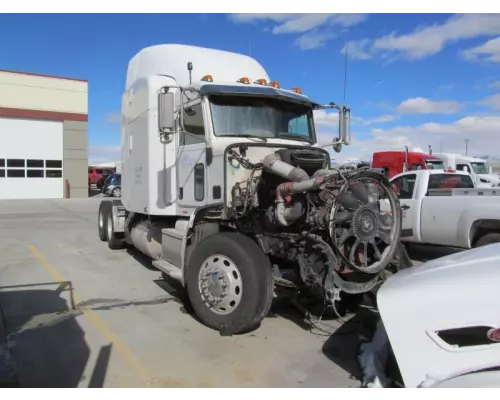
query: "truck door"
191, 158
405, 188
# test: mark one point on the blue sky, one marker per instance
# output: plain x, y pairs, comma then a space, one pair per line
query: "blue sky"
415, 79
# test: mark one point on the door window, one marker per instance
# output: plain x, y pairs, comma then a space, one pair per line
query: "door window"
461, 167
404, 186
193, 125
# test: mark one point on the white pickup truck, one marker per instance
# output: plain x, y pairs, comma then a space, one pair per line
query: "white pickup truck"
443, 207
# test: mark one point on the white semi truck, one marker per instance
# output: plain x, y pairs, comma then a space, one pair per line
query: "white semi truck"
225, 187
476, 167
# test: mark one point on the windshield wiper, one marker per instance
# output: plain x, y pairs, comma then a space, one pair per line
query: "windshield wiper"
294, 137
251, 137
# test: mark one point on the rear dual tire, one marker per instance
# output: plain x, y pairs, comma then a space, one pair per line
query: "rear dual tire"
106, 227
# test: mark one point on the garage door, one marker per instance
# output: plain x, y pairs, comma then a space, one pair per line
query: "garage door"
31, 159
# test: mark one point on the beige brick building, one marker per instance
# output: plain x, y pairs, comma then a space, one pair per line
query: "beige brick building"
43, 136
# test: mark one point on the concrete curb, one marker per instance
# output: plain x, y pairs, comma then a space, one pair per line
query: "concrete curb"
8, 376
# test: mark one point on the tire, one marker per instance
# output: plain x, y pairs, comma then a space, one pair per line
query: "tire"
254, 281
117, 192
102, 220
487, 239
115, 240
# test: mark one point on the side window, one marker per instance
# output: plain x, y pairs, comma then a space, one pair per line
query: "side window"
416, 167
193, 123
404, 186
461, 167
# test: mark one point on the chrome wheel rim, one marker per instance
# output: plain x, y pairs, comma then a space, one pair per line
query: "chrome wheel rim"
220, 284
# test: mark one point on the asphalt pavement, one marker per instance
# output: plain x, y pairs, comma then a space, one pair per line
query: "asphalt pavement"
77, 314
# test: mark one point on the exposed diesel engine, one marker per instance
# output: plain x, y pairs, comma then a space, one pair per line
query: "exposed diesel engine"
340, 230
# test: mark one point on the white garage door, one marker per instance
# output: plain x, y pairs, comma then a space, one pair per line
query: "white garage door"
31, 154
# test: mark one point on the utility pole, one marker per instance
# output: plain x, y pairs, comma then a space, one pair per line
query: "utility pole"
466, 146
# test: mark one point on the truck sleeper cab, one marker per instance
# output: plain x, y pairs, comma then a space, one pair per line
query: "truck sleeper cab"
393, 162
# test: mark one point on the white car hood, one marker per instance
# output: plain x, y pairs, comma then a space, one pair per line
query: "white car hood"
451, 292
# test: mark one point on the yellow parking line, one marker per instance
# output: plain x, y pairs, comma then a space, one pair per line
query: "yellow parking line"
98, 323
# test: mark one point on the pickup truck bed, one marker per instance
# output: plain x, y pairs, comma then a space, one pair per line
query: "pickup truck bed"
444, 208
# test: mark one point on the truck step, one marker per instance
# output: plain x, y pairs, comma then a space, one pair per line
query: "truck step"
171, 270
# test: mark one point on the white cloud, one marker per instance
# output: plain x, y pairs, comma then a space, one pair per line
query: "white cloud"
323, 118
481, 130
312, 40
420, 105
358, 49
494, 85
379, 120
104, 154
307, 25
489, 51
427, 41
492, 101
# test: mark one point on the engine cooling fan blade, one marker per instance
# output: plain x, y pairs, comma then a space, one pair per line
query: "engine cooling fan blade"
342, 217
361, 192
348, 200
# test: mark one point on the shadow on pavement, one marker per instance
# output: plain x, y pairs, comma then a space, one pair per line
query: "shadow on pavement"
46, 343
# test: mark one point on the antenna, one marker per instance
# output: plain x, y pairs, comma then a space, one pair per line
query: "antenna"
190, 68
345, 67
466, 146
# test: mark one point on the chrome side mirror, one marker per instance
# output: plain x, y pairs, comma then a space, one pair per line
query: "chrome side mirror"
166, 115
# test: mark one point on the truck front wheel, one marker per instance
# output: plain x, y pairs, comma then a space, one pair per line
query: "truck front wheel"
229, 283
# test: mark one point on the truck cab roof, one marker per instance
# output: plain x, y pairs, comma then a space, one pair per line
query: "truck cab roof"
460, 158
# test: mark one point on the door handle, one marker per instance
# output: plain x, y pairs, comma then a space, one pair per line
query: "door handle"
405, 207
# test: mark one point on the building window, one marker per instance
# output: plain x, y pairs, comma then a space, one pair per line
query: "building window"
53, 173
2, 163
34, 163
2, 173
34, 173
15, 173
53, 164
15, 163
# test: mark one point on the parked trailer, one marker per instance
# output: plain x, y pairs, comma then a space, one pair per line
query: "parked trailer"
223, 181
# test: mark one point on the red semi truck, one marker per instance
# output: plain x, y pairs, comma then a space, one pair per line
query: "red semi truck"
396, 162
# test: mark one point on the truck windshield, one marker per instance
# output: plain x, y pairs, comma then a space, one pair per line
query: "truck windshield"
434, 164
479, 167
261, 117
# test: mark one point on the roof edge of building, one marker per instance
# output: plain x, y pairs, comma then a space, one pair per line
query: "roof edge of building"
44, 75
